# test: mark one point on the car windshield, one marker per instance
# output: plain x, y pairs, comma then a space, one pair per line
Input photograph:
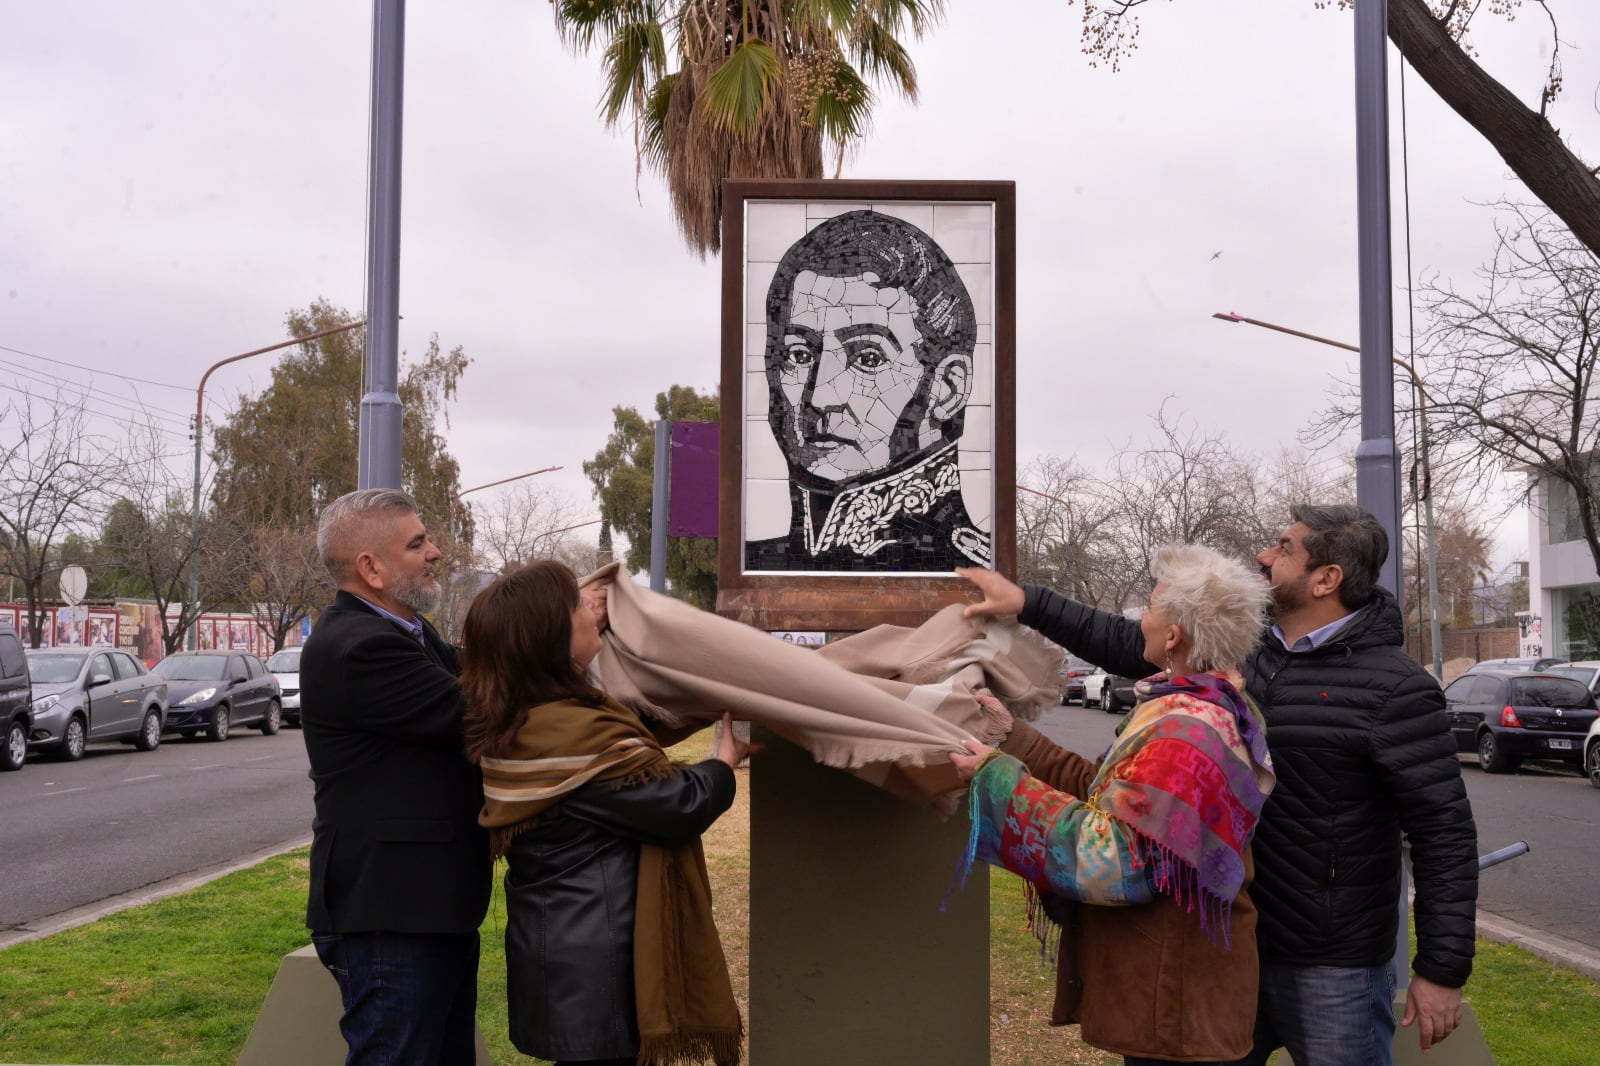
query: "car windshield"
54, 669
1548, 692
191, 667
1585, 674
285, 662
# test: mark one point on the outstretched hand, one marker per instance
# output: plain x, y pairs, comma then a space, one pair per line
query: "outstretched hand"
594, 597
967, 765
730, 749
1000, 595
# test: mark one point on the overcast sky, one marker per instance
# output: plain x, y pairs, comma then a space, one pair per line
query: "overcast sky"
179, 175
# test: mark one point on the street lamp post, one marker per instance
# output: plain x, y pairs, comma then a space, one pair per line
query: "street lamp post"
199, 438
1425, 490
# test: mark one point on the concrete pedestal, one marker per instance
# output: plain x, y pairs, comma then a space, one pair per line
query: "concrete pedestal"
299, 1020
851, 962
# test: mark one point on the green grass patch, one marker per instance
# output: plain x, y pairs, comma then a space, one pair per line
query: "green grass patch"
180, 980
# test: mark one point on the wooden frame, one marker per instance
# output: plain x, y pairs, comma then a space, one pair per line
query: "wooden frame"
801, 600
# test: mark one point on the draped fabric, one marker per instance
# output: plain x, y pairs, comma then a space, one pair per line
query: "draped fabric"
1171, 809
888, 704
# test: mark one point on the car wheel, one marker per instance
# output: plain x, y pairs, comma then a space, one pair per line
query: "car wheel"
149, 738
72, 741
1108, 700
15, 751
1591, 763
217, 728
269, 724
1490, 757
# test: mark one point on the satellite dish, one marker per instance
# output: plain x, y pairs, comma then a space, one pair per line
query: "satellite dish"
74, 583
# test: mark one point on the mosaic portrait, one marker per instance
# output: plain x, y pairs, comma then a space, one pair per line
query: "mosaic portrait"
868, 428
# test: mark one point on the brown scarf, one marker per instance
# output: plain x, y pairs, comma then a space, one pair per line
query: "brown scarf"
684, 999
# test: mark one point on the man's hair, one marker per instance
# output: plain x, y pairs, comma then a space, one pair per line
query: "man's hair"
1219, 602
347, 527
902, 256
1351, 539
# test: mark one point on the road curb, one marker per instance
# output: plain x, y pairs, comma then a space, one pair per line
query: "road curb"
1557, 949
172, 886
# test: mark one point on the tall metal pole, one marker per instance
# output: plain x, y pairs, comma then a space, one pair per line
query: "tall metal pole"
1378, 457
658, 507
379, 462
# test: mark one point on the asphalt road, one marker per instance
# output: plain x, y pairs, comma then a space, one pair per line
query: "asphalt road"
76, 834
1555, 810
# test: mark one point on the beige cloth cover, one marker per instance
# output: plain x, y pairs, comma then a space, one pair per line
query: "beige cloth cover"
887, 704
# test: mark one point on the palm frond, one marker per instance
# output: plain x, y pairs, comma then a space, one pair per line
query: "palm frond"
653, 123
882, 57
580, 23
636, 56
738, 94
842, 106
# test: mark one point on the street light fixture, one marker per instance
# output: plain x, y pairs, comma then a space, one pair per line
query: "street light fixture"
1425, 490
199, 438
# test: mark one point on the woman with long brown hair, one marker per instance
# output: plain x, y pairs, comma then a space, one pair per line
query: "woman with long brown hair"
611, 952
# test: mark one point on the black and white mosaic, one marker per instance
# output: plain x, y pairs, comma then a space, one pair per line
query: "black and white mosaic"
869, 361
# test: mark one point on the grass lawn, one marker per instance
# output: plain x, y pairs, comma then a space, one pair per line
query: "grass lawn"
179, 980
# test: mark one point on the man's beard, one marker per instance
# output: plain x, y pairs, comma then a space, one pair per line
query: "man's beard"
1287, 597
417, 594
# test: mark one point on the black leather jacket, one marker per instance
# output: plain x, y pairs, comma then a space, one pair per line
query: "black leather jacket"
571, 889
1362, 751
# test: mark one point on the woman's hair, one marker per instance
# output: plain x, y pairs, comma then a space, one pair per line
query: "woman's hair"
516, 653
1219, 602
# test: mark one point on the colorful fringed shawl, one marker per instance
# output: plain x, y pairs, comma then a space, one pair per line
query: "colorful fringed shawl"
1171, 810
683, 996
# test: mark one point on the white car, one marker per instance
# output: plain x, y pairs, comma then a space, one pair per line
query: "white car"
1591, 754
285, 666
1585, 670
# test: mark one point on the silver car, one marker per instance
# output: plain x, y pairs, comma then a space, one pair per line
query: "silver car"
91, 694
285, 666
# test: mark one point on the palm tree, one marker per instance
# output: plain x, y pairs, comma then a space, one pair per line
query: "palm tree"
751, 89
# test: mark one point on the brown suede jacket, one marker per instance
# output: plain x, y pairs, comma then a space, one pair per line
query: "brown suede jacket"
1146, 981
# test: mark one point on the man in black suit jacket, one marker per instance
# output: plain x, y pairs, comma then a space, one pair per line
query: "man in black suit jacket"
399, 866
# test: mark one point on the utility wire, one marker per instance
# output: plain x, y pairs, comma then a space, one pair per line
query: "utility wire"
91, 369
116, 416
178, 417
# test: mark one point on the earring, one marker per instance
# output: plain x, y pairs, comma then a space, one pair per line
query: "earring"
1168, 670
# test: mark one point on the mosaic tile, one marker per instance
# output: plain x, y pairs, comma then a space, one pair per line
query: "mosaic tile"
869, 362
770, 227
965, 231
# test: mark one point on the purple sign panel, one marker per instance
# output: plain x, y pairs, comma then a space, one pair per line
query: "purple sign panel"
692, 511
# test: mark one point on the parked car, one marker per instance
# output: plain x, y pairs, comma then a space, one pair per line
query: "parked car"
1114, 694
1071, 671
87, 694
1585, 670
217, 690
1591, 754
1510, 715
285, 666
1515, 664
16, 701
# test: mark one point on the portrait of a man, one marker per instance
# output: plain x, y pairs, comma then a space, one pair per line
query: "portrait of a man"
869, 368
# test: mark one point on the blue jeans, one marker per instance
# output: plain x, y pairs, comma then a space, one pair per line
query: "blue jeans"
1325, 1015
408, 997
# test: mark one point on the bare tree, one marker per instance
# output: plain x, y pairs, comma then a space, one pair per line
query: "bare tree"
284, 579
1433, 36
147, 538
521, 521
1063, 517
53, 480
1510, 369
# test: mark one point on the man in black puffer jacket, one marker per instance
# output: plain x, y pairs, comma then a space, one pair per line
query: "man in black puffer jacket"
1362, 750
